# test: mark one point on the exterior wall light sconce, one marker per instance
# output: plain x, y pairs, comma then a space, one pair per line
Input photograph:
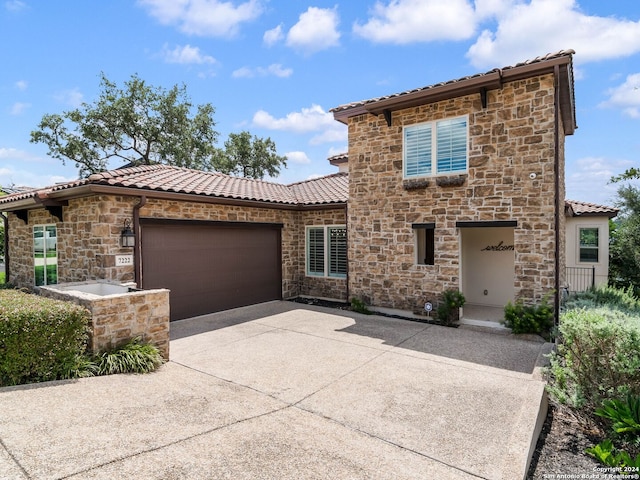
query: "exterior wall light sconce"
127, 237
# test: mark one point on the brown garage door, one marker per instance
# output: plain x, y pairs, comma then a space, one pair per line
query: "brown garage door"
211, 266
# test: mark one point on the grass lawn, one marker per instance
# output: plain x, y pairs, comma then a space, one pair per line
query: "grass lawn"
1, 277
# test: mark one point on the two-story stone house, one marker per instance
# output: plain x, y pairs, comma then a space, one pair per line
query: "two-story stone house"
458, 185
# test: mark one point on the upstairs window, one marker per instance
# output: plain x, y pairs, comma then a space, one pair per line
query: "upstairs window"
589, 245
436, 148
327, 251
45, 254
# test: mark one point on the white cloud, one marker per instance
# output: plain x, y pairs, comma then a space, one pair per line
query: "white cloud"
275, 69
273, 36
21, 85
339, 133
337, 151
14, 173
19, 107
529, 29
298, 157
316, 30
588, 178
626, 96
15, 5
408, 21
71, 97
307, 120
15, 154
186, 55
211, 18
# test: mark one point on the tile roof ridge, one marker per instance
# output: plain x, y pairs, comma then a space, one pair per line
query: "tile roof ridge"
590, 204
336, 174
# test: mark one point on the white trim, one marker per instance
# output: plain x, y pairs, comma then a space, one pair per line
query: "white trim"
590, 226
434, 148
327, 252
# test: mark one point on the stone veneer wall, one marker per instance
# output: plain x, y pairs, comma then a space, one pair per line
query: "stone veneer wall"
116, 319
89, 239
510, 139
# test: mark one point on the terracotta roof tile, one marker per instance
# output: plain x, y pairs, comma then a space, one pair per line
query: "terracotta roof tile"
584, 209
330, 189
163, 178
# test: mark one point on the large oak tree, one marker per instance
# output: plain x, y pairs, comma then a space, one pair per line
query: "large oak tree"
143, 125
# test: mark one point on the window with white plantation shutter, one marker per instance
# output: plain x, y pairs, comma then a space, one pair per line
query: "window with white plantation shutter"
446, 141
452, 145
327, 251
315, 251
417, 150
337, 251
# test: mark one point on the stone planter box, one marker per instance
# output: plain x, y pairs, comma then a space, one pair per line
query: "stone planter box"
118, 312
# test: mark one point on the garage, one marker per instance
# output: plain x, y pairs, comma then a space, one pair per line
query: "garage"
211, 266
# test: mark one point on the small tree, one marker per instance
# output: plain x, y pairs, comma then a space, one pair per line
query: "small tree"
138, 124
624, 251
250, 157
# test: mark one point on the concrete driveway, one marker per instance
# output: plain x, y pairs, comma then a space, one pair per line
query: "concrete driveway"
286, 391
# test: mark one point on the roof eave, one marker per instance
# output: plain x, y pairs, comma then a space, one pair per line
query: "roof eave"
93, 189
489, 81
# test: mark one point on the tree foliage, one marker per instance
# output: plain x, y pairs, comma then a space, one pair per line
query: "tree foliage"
138, 124
624, 251
143, 125
250, 157
630, 174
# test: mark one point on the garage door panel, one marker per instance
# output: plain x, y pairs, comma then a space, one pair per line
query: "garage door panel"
210, 268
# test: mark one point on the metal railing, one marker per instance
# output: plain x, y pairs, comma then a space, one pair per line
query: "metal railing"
580, 279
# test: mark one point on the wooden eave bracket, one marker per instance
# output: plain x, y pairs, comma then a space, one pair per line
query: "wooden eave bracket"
54, 207
22, 215
387, 116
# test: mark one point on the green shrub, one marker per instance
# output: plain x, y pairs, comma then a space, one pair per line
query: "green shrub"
40, 338
521, 318
359, 306
624, 415
448, 309
133, 357
606, 453
598, 357
607, 296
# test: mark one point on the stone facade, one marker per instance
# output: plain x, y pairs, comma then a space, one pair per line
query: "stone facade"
89, 239
510, 141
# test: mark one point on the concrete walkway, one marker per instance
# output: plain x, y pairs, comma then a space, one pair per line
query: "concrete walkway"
286, 391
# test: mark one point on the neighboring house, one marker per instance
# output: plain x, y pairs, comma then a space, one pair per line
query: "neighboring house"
587, 244
458, 185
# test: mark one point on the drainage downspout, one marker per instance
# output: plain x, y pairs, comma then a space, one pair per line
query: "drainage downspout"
556, 103
7, 269
137, 250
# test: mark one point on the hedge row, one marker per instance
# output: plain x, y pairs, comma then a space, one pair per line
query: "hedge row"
41, 339
598, 355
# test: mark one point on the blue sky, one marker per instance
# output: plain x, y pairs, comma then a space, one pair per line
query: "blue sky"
276, 68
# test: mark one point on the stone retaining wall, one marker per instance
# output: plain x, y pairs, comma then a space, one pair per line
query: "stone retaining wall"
118, 318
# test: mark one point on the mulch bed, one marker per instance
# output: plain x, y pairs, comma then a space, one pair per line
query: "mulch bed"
560, 451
